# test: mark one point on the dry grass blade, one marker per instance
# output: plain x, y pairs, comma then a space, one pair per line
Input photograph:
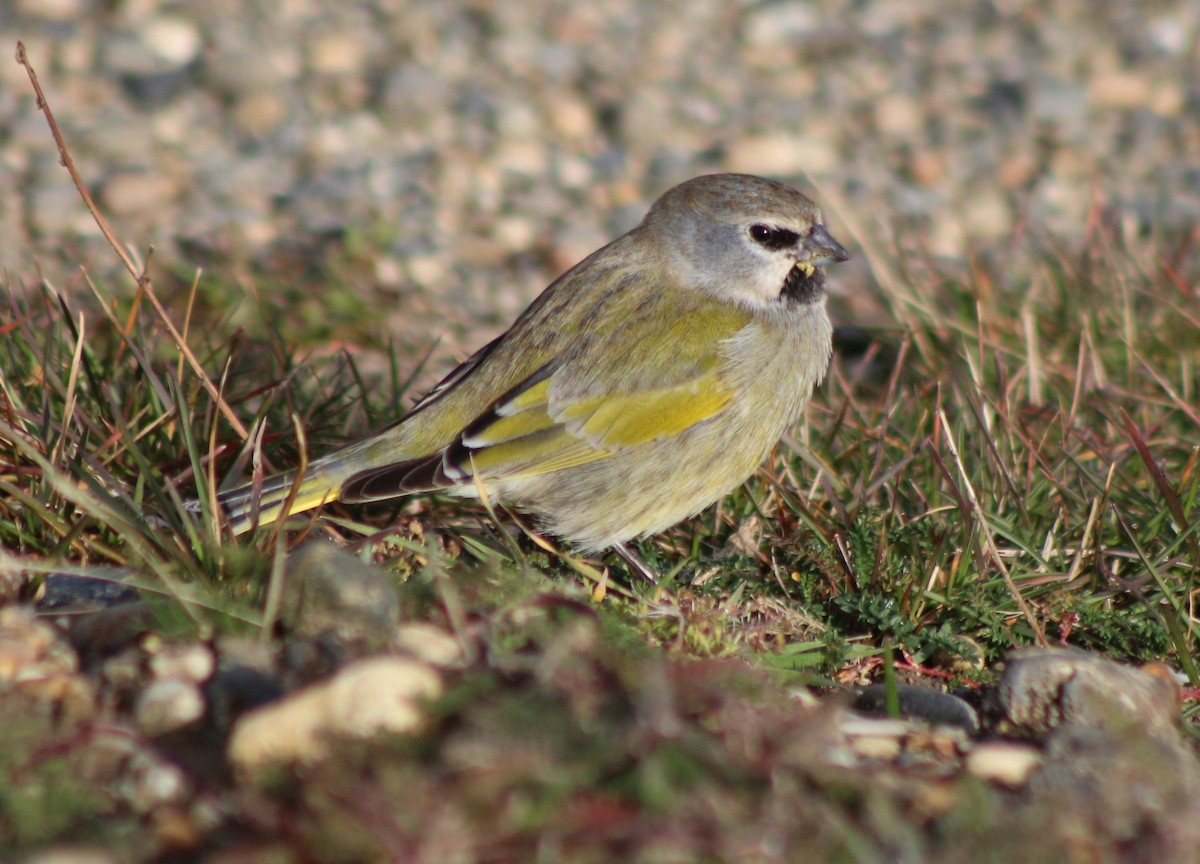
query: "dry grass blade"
1099, 503
1160, 479
72, 393
985, 533
1170, 497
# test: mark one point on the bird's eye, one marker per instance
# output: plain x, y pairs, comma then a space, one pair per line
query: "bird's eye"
771, 237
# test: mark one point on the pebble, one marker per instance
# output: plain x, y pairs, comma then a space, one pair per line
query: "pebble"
898, 113
37, 665
1044, 689
1004, 763
429, 644
925, 167
924, 703
155, 782
167, 705
881, 748
337, 54
1171, 32
771, 25
782, 154
187, 661
514, 233
1124, 785
71, 593
572, 118
1169, 100
329, 590
364, 700
1119, 89
72, 855
131, 192
13, 585
258, 112
173, 39
51, 10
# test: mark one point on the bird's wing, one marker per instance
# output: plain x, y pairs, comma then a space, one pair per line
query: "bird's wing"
643, 378
541, 430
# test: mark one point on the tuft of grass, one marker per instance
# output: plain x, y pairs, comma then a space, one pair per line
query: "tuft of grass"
1020, 465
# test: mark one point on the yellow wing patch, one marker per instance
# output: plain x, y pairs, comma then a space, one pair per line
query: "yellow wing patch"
540, 453
506, 428
537, 396
621, 420
523, 440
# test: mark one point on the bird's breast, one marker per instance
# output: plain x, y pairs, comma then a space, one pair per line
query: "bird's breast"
775, 361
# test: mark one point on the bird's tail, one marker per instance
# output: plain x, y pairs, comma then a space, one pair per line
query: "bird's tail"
252, 505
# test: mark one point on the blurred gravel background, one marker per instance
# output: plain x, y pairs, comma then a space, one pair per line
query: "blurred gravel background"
482, 147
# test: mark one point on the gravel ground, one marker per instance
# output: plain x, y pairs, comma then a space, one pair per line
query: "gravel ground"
488, 144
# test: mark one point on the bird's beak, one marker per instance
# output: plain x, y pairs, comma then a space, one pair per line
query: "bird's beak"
822, 248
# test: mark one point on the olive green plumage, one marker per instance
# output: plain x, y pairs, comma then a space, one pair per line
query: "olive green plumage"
643, 385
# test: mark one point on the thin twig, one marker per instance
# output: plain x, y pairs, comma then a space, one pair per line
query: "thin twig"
64, 158
140, 277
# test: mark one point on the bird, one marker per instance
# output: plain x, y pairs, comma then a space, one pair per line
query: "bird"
643, 385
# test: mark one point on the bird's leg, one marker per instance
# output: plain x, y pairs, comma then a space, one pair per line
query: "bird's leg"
626, 553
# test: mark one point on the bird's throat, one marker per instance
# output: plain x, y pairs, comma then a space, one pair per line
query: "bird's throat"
803, 287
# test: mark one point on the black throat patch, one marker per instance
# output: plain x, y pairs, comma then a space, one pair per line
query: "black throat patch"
801, 288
